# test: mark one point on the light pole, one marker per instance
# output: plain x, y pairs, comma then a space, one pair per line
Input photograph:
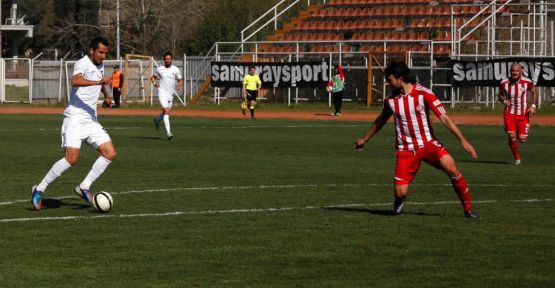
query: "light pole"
0, 28
117, 31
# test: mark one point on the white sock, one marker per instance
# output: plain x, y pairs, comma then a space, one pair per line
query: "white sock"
56, 171
167, 123
97, 169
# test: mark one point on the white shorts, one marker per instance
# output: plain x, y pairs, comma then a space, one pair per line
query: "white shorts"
166, 101
75, 131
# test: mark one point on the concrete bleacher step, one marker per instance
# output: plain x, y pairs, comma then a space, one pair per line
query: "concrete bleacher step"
338, 20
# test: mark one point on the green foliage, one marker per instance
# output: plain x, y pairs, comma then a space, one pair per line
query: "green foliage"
147, 26
67, 25
225, 22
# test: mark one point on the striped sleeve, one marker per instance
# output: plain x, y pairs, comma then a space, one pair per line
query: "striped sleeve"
435, 104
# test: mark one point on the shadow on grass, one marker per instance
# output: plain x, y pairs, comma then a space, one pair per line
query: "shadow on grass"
57, 203
387, 213
485, 162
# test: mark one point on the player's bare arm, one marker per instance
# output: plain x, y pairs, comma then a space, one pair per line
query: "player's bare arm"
503, 98
533, 107
244, 91
79, 81
106, 95
446, 120
378, 124
179, 85
155, 81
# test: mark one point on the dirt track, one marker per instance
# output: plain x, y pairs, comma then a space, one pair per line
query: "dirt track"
474, 119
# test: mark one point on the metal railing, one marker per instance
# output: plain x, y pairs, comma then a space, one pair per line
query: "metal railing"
271, 16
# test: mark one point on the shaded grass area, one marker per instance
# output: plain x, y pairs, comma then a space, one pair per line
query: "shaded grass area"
272, 203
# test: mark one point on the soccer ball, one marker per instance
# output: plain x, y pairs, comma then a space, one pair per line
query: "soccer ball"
103, 201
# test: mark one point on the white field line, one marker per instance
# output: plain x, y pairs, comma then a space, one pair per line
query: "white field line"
263, 187
245, 211
148, 127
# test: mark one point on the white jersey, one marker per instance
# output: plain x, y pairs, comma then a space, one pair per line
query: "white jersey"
168, 79
83, 100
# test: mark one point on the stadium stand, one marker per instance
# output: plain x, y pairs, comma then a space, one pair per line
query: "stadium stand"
404, 22
365, 34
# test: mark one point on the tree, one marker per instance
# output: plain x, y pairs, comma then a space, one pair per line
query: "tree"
225, 22
149, 27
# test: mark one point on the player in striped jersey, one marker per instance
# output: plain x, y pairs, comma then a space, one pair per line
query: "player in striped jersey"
513, 93
415, 140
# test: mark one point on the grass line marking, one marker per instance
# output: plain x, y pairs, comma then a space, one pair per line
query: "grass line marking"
245, 211
290, 186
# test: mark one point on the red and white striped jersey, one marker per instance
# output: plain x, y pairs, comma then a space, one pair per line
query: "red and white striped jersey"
517, 94
411, 113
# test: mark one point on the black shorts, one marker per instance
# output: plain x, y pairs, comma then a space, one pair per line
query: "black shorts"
251, 95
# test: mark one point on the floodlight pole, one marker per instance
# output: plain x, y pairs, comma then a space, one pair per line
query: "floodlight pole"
0, 28
117, 31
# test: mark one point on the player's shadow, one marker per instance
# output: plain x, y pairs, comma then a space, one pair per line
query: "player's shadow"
361, 210
385, 213
52, 203
57, 203
486, 162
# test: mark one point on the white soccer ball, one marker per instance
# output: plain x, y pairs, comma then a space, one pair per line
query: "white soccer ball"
103, 201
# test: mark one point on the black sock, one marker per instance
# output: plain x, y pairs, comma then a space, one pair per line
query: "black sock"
252, 112
398, 204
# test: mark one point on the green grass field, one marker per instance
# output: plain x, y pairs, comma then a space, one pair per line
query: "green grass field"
235, 203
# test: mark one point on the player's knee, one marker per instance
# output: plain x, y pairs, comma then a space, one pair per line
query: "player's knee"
72, 159
512, 136
110, 155
453, 172
522, 138
401, 191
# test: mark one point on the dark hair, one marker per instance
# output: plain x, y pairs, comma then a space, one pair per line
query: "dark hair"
251, 67
400, 70
116, 67
168, 54
95, 41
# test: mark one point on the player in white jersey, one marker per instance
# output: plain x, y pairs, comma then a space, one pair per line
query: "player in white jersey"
81, 123
168, 80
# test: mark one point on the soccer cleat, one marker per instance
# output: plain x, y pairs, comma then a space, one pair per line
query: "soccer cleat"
84, 193
170, 136
156, 124
517, 162
398, 205
471, 214
338, 114
36, 198
332, 114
